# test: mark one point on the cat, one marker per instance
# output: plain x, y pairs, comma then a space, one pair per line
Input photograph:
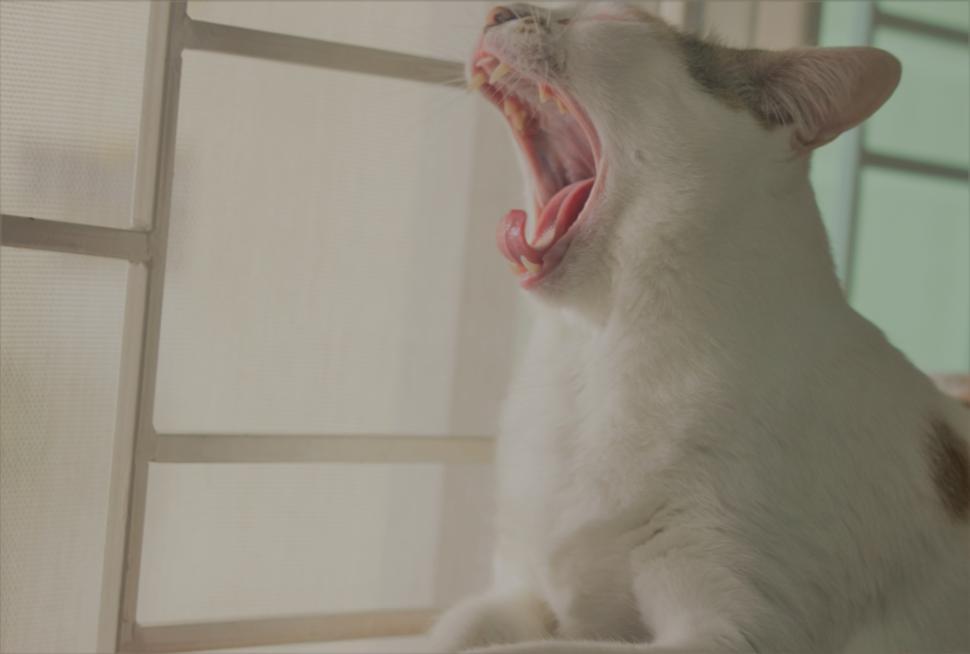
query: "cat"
705, 449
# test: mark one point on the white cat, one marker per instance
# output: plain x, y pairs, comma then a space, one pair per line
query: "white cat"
706, 449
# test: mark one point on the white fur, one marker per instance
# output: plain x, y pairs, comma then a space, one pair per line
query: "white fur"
705, 448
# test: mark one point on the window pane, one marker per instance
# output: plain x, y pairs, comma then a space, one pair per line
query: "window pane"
945, 13
927, 116
330, 268
60, 338
311, 539
445, 30
70, 97
912, 266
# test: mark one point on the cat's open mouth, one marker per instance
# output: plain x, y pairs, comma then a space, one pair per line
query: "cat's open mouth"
563, 152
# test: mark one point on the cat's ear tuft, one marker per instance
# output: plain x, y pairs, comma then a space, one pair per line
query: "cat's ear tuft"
822, 92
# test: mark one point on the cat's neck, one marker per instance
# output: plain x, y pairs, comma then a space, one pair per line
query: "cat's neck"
740, 256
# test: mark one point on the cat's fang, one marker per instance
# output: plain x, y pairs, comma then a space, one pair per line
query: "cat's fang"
560, 106
478, 81
544, 96
530, 266
518, 120
515, 114
500, 71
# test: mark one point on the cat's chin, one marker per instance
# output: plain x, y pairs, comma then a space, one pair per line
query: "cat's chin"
563, 152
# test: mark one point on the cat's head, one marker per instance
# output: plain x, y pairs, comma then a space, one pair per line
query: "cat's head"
625, 123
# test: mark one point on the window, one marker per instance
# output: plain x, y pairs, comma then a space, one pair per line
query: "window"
258, 264
254, 332
894, 192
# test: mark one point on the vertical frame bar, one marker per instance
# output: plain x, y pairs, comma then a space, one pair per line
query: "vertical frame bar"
135, 316
174, 20
118, 505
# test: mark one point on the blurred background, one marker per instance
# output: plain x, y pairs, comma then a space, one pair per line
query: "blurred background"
254, 330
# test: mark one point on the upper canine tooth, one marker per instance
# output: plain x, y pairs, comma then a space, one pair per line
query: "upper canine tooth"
500, 71
508, 107
477, 81
560, 106
543, 94
518, 120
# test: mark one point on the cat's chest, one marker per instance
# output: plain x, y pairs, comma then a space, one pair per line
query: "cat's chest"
571, 472
561, 444
575, 456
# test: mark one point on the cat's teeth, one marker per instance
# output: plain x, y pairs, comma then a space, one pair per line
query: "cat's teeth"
544, 94
515, 113
530, 266
516, 268
500, 71
477, 81
560, 106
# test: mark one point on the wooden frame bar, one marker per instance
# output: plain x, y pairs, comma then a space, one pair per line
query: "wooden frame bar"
276, 631
227, 39
952, 34
75, 238
172, 20
905, 164
247, 448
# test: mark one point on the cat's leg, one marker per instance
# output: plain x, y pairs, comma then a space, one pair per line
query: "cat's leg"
691, 605
492, 619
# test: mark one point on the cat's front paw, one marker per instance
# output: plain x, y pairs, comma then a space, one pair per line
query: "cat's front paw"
491, 620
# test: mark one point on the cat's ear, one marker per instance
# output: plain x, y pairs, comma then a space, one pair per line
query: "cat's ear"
822, 92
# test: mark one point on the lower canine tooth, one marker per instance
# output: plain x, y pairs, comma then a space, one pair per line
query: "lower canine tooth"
500, 71
531, 267
560, 106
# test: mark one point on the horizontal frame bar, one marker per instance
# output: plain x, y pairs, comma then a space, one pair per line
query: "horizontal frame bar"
914, 166
228, 39
883, 19
277, 631
252, 448
75, 238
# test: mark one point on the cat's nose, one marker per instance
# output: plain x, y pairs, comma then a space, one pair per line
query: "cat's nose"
499, 15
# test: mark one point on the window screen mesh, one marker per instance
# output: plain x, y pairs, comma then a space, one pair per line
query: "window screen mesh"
325, 257
60, 338
229, 541
70, 97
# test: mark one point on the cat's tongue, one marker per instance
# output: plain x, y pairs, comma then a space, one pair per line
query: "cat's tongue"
555, 219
